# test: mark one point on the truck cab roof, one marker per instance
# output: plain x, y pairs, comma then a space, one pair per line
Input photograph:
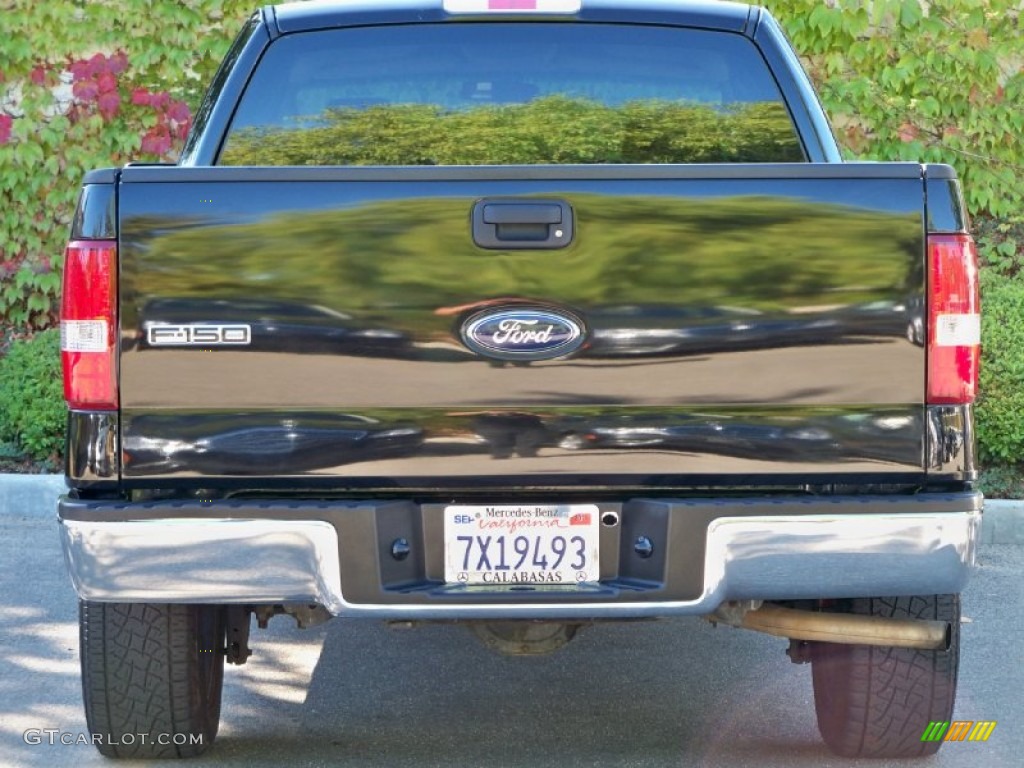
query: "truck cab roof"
323, 14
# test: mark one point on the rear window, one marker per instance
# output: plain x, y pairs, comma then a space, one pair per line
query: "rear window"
511, 93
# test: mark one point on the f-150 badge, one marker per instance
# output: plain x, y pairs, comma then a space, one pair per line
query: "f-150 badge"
523, 334
200, 335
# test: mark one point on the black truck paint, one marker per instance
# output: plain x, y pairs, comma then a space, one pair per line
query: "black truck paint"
827, 357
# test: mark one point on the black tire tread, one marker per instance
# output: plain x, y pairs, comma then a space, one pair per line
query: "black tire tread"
140, 675
877, 701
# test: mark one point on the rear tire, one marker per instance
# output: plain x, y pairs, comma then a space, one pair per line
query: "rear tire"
152, 677
878, 701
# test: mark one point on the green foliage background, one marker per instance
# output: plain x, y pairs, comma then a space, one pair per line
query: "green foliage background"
1000, 417
88, 85
940, 81
32, 412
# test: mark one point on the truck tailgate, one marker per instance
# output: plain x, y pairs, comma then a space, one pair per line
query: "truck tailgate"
753, 322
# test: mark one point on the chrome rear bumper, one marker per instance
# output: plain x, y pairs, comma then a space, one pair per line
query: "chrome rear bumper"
336, 555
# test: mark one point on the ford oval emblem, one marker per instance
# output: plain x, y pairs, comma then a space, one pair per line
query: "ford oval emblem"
523, 334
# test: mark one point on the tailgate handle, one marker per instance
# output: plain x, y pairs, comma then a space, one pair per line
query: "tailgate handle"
522, 213
518, 224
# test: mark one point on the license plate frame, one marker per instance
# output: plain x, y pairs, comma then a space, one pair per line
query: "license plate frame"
517, 545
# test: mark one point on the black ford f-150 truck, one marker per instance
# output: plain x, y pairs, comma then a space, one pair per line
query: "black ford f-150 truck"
522, 313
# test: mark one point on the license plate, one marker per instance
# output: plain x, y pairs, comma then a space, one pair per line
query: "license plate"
542, 544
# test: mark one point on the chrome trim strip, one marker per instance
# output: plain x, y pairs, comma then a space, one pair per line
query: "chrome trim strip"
766, 557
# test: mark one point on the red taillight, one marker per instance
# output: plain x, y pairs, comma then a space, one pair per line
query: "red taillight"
954, 319
88, 325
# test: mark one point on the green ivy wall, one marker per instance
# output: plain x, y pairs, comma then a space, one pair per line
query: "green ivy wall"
95, 83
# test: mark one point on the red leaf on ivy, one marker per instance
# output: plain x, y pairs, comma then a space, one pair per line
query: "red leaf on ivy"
119, 62
79, 69
98, 63
181, 130
107, 82
908, 133
157, 140
178, 111
141, 97
159, 100
109, 103
38, 76
5, 128
85, 90
855, 137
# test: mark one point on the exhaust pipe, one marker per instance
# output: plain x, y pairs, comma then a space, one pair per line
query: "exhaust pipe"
845, 628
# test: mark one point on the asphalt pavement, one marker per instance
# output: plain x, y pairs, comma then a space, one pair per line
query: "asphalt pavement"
354, 693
